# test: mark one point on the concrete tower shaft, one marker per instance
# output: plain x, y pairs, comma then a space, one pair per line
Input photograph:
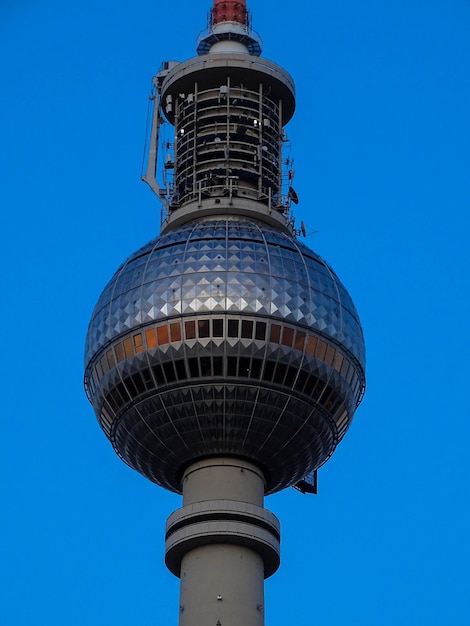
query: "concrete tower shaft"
222, 543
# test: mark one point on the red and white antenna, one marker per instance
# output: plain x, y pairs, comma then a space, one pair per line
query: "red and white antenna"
229, 21
229, 11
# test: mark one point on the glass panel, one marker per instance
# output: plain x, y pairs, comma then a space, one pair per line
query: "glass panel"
268, 370
104, 364
321, 350
138, 382
345, 368
95, 380
138, 343
338, 361
232, 366
111, 359
175, 331
218, 328
147, 376
112, 401
247, 329
194, 368
330, 355
256, 368
299, 340
301, 380
130, 387
290, 377
311, 345
169, 370
158, 373
342, 420
107, 419
190, 330
218, 366
180, 370
203, 328
99, 370
280, 373
206, 369
233, 328
162, 335
355, 383
275, 333
128, 348
123, 392
260, 332
313, 386
244, 366
151, 338
118, 349
287, 336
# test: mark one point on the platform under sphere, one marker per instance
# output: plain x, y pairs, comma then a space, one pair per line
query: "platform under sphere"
225, 336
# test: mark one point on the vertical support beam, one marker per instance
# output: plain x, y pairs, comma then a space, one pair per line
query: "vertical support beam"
260, 140
281, 139
196, 133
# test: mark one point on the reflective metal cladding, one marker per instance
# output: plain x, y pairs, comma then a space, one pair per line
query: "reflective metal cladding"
225, 336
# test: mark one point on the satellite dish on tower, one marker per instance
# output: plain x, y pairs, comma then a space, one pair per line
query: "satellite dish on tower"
303, 230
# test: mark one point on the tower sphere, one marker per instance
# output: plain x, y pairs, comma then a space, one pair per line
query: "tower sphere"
225, 336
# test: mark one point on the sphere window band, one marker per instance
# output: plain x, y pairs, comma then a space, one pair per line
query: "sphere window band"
193, 330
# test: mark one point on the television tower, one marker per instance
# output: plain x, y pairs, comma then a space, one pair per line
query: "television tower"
224, 359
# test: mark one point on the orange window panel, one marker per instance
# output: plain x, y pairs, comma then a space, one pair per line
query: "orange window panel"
162, 335
275, 333
111, 359
119, 351
321, 350
190, 330
338, 361
151, 338
175, 331
287, 336
311, 345
330, 355
299, 340
128, 348
138, 343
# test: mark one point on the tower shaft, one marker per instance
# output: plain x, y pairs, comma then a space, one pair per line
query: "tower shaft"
222, 544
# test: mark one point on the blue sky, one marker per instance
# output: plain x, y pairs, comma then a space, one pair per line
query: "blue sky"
381, 140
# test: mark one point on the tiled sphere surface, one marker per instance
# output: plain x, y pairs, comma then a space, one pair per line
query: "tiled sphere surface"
240, 341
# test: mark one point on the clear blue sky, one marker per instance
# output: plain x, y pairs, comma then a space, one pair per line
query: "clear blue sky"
381, 141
